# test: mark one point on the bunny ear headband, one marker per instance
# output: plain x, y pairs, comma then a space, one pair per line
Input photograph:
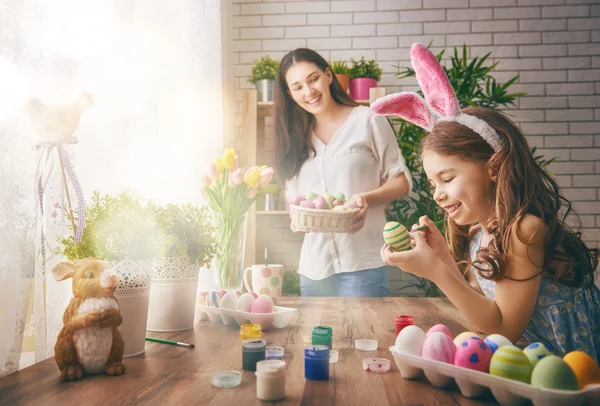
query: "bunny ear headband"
440, 103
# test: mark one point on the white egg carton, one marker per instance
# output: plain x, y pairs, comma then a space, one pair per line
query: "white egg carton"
280, 317
474, 383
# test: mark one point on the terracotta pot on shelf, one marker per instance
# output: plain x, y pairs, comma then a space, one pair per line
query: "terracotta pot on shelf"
344, 81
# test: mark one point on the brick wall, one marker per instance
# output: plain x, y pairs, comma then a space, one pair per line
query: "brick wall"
554, 45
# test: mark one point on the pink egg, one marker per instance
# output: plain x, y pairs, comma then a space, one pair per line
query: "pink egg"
473, 353
263, 304
442, 329
222, 292
350, 204
336, 203
320, 203
439, 347
297, 200
308, 204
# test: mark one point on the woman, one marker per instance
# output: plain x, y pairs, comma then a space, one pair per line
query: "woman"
326, 142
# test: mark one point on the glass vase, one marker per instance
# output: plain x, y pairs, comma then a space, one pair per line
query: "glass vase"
228, 265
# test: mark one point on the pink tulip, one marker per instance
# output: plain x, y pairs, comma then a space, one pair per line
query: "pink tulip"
265, 177
214, 172
251, 193
236, 178
235, 163
206, 180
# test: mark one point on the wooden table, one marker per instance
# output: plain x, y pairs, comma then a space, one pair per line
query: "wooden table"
173, 375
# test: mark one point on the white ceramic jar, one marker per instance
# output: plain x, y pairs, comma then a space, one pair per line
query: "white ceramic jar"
270, 380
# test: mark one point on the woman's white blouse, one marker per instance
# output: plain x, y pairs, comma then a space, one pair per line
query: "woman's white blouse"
362, 155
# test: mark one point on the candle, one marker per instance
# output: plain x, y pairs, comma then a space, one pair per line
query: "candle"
270, 380
252, 352
316, 362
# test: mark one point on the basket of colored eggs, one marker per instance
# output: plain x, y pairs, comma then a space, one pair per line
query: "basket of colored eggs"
326, 213
513, 375
247, 308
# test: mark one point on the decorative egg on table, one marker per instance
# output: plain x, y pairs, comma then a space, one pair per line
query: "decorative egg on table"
552, 372
262, 304
213, 299
440, 328
396, 236
535, 352
473, 353
439, 347
495, 341
584, 367
228, 302
244, 303
463, 336
510, 362
410, 340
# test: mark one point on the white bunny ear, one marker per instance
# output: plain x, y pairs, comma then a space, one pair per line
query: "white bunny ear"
408, 105
433, 81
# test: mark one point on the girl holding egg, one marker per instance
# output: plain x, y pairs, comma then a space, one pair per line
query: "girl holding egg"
327, 144
511, 264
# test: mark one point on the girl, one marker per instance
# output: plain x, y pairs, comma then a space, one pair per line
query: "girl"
514, 267
325, 142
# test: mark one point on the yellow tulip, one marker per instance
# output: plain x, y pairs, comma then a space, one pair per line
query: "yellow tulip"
219, 165
228, 158
252, 176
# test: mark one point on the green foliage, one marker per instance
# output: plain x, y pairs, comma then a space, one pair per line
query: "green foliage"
264, 68
340, 67
291, 282
365, 69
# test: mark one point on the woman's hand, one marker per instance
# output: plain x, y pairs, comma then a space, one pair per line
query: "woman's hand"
358, 221
434, 239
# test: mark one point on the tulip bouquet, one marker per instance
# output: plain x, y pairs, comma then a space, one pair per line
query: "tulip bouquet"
230, 191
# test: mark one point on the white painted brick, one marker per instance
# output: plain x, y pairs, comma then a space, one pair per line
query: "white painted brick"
353, 5
518, 38
502, 51
283, 44
399, 4
535, 141
543, 102
569, 89
518, 64
446, 28
470, 14
596, 62
258, 8
363, 30
584, 49
235, 34
595, 10
329, 43
543, 25
565, 37
544, 129
564, 181
493, 3
571, 168
584, 23
529, 89
400, 54
494, 26
423, 15
408, 40
540, 2
542, 50
587, 75
345, 55
565, 11
587, 207
584, 128
446, 4
596, 36
239, 46
567, 63
330, 19
523, 116
559, 154
547, 76
235, 9
579, 222
260, 33
566, 141
246, 21
284, 20
585, 154
570, 115
400, 29
469, 39
250, 57
590, 234
517, 12
307, 32
374, 42
242, 70
308, 7
378, 17
584, 101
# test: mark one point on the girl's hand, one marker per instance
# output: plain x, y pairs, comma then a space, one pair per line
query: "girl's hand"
435, 240
420, 261
358, 221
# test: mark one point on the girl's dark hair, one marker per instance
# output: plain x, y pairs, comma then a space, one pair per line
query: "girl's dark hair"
522, 187
292, 123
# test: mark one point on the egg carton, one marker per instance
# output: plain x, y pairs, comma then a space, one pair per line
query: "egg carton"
474, 383
321, 221
280, 317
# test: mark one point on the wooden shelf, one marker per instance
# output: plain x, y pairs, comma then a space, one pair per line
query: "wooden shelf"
272, 212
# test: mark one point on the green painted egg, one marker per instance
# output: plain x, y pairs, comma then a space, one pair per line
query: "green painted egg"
339, 196
396, 236
328, 197
510, 362
552, 372
311, 196
535, 352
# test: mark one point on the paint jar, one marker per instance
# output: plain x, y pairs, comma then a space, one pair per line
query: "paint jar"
316, 362
402, 321
253, 351
322, 335
270, 380
248, 331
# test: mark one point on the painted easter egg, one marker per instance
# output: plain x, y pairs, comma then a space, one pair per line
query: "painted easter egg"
339, 208
510, 362
297, 200
473, 353
244, 303
496, 341
229, 300
311, 196
410, 340
463, 336
262, 304
442, 329
337, 203
553, 373
339, 196
584, 367
213, 299
253, 294
350, 204
439, 347
320, 203
396, 236
535, 352
307, 204
328, 197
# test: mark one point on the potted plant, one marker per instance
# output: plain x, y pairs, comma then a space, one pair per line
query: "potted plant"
342, 72
364, 75
121, 229
263, 76
189, 245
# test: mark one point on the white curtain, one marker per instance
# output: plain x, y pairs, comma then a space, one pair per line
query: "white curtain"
153, 69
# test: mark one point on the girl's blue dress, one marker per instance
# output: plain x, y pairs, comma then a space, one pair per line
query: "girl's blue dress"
564, 318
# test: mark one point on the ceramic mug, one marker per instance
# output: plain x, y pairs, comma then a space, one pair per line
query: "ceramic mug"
266, 279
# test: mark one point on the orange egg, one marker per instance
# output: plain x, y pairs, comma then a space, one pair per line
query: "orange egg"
585, 368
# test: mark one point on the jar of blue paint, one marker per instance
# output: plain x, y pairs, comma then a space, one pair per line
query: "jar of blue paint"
316, 362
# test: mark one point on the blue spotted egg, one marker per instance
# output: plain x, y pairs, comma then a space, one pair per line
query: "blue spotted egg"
536, 351
473, 353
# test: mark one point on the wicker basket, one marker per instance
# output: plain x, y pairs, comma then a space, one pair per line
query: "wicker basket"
321, 221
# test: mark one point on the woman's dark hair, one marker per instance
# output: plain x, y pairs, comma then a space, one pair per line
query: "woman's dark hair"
292, 123
522, 187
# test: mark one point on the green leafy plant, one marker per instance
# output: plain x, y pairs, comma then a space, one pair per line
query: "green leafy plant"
291, 282
340, 67
264, 68
365, 69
